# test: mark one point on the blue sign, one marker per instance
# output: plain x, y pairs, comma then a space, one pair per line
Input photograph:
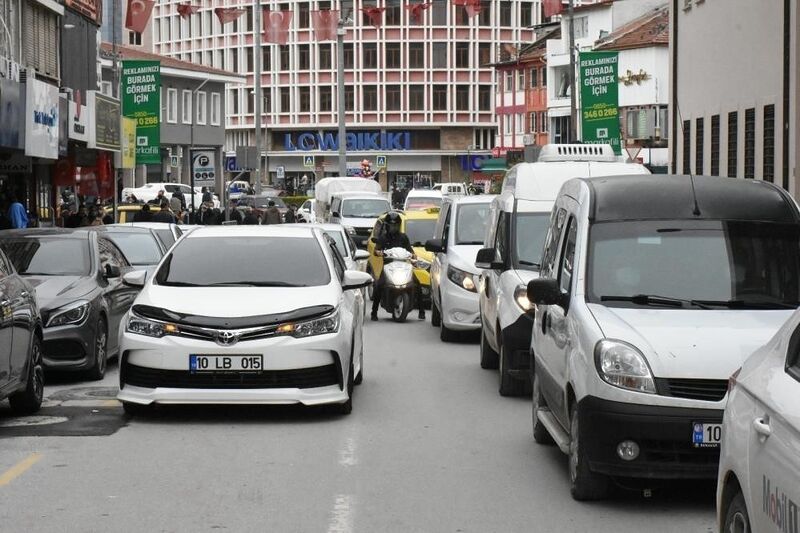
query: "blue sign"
231, 165
380, 161
308, 161
362, 141
472, 162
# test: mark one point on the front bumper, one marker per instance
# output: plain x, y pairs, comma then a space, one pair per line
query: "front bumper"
517, 343
664, 435
460, 308
69, 347
165, 395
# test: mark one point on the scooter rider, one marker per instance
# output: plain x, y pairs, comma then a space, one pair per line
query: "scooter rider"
392, 237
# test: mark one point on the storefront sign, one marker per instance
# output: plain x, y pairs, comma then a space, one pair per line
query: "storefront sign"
88, 8
204, 172
105, 114
141, 85
16, 163
128, 142
355, 141
600, 99
11, 115
78, 119
41, 119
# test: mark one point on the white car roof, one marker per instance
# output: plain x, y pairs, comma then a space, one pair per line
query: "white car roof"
424, 193
359, 196
273, 230
319, 225
477, 199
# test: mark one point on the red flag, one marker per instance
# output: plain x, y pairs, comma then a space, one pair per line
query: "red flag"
276, 26
138, 14
186, 9
228, 14
415, 10
552, 7
375, 15
78, 104
325, 23
473, 7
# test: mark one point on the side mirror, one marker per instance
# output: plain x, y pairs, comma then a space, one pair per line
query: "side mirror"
111, 271
135, 278
360, 255
487, 259
354, 279
336, 214
434, 245
544, 291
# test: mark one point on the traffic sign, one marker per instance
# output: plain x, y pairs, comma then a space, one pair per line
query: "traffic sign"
380, 161
281, 171
633, 152
308, 161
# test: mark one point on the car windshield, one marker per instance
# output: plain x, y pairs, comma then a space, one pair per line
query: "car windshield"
364, 208
423, 202
419, 231
338, 238
471, 223
703, 263
138, 248
49, 256
166, 237
530, 232
249, 261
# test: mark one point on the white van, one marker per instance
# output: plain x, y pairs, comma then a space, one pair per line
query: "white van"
512, 251
358, 212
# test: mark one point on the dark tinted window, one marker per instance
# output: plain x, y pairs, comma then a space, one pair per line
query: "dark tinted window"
471, 223
50, 256
530, 232
368, 208
753, 264
138, 248
419, 231
266, 261
567, 265
166, 237
551, 242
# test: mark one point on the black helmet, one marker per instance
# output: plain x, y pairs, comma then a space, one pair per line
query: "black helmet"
392, 218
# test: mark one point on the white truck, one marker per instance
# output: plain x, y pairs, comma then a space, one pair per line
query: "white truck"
355, 203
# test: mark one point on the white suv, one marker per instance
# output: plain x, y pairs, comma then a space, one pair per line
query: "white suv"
759, 468
652, 292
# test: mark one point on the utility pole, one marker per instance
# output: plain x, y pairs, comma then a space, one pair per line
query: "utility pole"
115, 94
257, 89
573, 114
341, 30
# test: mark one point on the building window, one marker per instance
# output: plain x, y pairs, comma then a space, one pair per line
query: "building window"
485, 16
525, 14
461, 17
462, 55
715, 145
439, 14
266, 99
505, 13
393, 102
325, 99
248, 56
349, 98
233, 57
416, 55
284, 55
369, 100
349, 56
484, 54
508, 123
544, 76
370, 55
135, 38
303, 57
303, 15
440, 97
769, 143
233, 96
462, 97
484, 98
581, 27
392, 13
201, 107
699, 141
172, 106
286, 99
520, 79
532, 75
186, 107
392, 55
216, 109
305, 99
416, 97
733, 144
325, 56
439, 55
750, 143
365, 20
105, 88
533, 119
266, 59
508, 81
687, 146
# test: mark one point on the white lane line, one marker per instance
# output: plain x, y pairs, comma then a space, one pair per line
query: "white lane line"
341, 520
347, 453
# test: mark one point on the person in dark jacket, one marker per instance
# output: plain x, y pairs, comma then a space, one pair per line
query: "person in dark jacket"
207, 196
144, 214
165, 214
272, 215
235, 214
291, 216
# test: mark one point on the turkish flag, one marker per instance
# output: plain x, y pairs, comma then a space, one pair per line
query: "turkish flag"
78, 104
473, 7
325, 23
186, 9
375, 15
276, 26
415, 10
138, 14
228, 14
552, 7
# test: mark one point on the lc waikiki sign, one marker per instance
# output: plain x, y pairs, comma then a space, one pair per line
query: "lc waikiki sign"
362, 141
141, 89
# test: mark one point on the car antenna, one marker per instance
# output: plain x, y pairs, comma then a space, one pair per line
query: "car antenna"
696, 210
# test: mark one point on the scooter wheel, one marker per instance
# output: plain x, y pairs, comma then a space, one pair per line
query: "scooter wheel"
401, 307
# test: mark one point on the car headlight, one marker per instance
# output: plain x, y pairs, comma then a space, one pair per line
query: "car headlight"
423, 264
318, 326
622, 365
461, 278
74, 313
150, 328
350, 230
521, 297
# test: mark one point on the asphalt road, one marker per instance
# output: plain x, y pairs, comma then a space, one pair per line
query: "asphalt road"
430, 447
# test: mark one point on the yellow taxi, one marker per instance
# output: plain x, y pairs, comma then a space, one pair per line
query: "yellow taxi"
125, 212
419, 227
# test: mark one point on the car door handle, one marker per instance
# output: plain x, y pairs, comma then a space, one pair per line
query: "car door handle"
761, 426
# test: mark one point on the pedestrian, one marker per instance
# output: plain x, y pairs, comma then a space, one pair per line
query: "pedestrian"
397, 197
165, 214
157, 200
144, 214
272, 215
207, 196
94, 218
17, 214
251, 219
175, 203
235, 214
291, 215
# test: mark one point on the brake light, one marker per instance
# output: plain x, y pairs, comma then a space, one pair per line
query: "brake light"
732, 379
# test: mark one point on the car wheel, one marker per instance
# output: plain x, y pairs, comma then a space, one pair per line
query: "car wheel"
98, 369
29, 400
540, 433
401, 307
436, 317
360, 376
584, 484
347, 407
509, 386
736, 518
447, 335
133, 409
489, 358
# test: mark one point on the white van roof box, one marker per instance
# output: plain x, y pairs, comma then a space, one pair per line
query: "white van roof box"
577, 152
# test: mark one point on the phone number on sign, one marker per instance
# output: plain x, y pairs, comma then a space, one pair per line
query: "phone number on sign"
147, 121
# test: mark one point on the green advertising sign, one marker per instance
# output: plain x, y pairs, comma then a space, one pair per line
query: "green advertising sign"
141, 88
600, 99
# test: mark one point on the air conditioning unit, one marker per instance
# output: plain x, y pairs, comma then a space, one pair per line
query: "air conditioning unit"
528, 139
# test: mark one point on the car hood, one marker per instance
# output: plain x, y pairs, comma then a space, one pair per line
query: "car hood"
358, 222
691, 343
463, 256
54, 291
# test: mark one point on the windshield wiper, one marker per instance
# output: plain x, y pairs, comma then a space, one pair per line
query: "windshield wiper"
746, 304
652, 299
529, 263
253, 284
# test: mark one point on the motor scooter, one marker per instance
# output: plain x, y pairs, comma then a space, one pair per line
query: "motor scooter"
398, 290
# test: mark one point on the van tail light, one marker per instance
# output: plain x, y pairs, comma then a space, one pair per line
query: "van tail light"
732, 379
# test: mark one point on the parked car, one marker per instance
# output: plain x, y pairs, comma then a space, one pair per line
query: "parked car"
77, 278
167, 233
513, 248
454, 276
149, 192
354, 257
421, 199
21, 372
292, 331
357, 212
306, 212
652, 292
259, 205
141, 246
757, 488
237, 188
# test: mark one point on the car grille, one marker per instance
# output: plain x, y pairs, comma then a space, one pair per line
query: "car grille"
670, 452
63, 350
711, 390
302, 378
363, 232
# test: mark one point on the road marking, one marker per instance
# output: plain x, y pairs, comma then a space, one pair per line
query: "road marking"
341, 515
18, 469
347, 453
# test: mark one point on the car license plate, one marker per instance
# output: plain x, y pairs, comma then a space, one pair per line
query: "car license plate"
225, 363
706, 435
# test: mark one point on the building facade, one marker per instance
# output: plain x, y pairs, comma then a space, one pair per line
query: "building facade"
420, 93
735, 89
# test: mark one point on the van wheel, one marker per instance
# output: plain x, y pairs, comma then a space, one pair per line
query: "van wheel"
509, 386
540, 433
436, 317
584, 484
489, 358
736, 518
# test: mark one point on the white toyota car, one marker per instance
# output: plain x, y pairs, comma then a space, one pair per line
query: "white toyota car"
245, 315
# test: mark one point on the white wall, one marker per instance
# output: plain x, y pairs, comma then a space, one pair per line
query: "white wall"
654, 61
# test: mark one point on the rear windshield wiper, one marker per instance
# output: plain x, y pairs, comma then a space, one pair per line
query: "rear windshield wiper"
746, 304
652, 299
